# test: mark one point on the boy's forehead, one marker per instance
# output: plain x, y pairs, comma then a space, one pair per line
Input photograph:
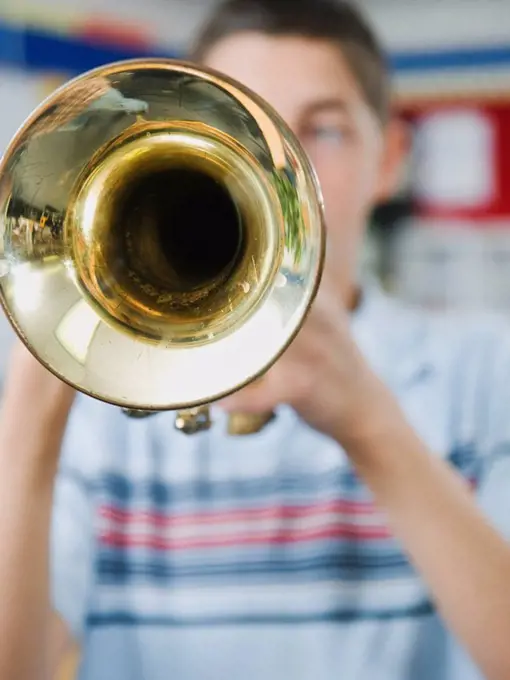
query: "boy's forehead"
293, 73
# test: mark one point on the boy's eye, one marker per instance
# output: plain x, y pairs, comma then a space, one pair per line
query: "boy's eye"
326, 133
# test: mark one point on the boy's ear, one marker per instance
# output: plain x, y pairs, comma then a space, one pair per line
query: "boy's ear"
396, 148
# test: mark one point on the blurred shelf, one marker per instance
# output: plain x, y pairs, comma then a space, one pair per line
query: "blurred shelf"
39, 49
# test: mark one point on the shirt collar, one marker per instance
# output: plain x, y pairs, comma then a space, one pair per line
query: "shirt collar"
391, 336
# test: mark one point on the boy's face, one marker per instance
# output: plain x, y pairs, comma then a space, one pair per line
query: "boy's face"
310, 85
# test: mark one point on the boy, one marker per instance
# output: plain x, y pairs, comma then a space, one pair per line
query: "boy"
344, 540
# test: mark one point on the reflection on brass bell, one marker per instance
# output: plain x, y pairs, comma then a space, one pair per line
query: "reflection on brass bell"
161, 238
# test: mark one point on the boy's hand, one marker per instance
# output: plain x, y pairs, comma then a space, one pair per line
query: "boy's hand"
323, 376
34, 402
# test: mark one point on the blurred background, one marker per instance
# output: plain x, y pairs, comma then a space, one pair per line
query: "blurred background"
444, 241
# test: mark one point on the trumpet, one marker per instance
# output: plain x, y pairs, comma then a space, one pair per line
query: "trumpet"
161, 238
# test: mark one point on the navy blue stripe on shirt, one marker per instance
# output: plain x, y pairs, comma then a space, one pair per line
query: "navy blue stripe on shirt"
350, 566
122, 491
126, 618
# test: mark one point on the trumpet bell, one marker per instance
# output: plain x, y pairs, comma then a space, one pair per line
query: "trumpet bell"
161, 235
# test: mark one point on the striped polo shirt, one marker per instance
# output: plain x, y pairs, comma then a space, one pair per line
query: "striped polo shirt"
189, 558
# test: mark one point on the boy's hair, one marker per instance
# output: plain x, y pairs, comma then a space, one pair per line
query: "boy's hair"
336, 21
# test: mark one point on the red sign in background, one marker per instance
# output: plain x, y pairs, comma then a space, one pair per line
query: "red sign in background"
496, 206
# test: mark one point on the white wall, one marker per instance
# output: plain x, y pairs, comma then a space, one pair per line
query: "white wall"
418, 24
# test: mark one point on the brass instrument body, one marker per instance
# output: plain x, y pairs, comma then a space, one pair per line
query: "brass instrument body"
161, 236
